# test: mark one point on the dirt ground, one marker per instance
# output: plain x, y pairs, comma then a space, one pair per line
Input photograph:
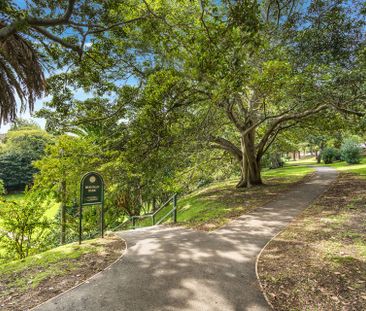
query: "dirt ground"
319, 261
82, 268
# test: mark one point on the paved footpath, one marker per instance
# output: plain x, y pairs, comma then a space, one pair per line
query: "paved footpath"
168, 269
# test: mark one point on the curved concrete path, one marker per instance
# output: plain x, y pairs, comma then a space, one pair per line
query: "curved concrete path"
168, 269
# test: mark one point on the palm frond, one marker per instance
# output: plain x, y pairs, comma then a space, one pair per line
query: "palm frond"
21, 76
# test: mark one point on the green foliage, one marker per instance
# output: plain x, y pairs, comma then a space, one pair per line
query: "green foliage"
272, 160
23, 226
24, 144
203, 72
60, 172
67, 159
351, 151
329, 154
16, 170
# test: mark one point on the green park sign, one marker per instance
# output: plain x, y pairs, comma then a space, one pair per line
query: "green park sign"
92, 189
91, 193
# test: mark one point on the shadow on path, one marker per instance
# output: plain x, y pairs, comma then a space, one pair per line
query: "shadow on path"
169, 269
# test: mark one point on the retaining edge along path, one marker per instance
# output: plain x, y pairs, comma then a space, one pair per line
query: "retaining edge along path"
174, 269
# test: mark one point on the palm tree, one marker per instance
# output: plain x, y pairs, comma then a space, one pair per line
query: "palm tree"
21, 76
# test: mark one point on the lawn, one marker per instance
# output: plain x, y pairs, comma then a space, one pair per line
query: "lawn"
342, 166
215, 205
51, 211
25, 283
359, 169
15, 196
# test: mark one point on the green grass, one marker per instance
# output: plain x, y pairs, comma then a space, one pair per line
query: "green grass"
215, 205
51, 263
287, 173
305, 161
342, 166
52, 207
359, 169
15, 196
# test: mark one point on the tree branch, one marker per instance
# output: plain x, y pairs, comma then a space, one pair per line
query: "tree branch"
56, 39
232, 117
64, 19
270, 142
350, 111
117, 24
12, 28
285, 118
227, 145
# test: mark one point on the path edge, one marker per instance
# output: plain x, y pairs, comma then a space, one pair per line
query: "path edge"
276, 235
86, 280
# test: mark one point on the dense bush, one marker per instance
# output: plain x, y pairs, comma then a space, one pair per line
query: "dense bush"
23, 227
329, 154
23, 145
16, 170
351, 151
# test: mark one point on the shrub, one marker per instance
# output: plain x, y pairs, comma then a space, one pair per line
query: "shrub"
351, 151
276, 160
23, 226
329, 154
338, 156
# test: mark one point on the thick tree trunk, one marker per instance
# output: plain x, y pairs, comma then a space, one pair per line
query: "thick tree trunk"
318, 158
244, 169
249, 165
255, 177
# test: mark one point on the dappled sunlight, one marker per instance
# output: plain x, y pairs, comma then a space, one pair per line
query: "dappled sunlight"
213, 207
175, 268
320, 258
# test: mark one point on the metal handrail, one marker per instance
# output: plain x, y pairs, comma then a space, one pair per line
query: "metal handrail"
165, 204
121, 224
161, 219
152, 215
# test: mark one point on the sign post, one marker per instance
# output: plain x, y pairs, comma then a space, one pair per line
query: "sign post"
91, 193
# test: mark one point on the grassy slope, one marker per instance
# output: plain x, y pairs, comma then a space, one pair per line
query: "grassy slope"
29, 282
215, 205
47, 264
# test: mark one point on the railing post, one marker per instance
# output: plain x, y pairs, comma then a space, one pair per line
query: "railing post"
175, 208
133, 222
